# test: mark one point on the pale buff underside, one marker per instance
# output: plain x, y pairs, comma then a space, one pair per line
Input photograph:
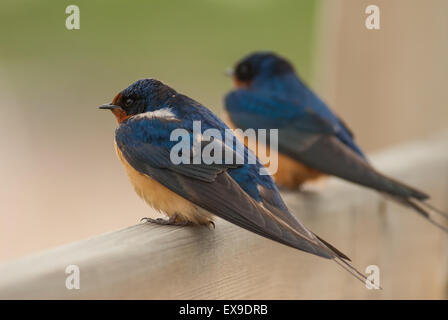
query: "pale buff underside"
162, 199
290, 173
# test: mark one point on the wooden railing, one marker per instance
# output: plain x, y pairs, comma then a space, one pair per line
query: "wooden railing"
150, 262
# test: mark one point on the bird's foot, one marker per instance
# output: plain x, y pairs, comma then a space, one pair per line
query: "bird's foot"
171, 221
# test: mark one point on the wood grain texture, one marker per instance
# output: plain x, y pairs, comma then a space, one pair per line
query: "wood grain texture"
156, 262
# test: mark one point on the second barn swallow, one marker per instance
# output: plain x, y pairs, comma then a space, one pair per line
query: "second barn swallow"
312, 140
148, 112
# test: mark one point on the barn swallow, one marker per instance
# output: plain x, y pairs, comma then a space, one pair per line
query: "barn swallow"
312, 140
147, 112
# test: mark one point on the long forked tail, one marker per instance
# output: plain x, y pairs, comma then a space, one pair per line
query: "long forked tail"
344, 262
426, 210
355, 272
434, 209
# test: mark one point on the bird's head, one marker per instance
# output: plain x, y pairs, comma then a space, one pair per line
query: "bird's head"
141, 96
259, 66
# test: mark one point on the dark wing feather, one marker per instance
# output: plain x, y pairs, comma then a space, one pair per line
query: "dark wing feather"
217, 192
311, 140
224, 198
157, 153
349, 131
327, 154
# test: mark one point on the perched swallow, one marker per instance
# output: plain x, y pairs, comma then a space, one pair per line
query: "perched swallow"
312, 140
148, 112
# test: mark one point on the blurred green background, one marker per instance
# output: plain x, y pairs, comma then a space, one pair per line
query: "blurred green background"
187, 44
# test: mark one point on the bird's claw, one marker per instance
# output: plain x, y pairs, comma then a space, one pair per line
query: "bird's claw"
172, 221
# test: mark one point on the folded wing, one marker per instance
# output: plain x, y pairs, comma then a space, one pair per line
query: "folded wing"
312, 140
212, 188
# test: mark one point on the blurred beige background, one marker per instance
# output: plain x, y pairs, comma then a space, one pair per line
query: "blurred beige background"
61, 180
388, 84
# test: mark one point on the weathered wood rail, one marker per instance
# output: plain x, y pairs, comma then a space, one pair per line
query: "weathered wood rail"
154, 262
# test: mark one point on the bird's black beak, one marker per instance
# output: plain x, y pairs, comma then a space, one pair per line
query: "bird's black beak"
110, 107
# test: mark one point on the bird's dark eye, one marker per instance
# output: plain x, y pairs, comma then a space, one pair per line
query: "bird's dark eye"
244, 72
128, 102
